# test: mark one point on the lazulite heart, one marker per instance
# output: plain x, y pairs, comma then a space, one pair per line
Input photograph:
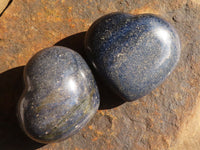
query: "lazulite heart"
60, 97
133, 54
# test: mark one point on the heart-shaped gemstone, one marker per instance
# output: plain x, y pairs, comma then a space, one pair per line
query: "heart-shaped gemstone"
132, 54
60, 97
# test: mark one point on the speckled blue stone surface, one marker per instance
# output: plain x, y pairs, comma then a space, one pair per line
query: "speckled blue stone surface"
133, 54
60, 97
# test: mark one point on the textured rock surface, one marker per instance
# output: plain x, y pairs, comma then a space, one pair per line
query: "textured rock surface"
168, 118
134, 54
60, 95
3, 5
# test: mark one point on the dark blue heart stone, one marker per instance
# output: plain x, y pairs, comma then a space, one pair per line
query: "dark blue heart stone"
133, 54
60, 97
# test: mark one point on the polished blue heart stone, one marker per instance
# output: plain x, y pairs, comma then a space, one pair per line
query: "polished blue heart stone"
60, 97
132, 54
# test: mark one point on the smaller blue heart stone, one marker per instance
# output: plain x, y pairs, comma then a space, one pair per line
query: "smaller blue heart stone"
60, 95
133, 54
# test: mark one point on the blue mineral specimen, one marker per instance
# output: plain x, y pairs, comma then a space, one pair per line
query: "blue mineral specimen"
133, 54
60, 97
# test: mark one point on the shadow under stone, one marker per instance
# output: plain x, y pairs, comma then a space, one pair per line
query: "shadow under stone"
11, 135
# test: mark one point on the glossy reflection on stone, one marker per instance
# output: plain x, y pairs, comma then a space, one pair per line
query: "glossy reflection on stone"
60, 97
133, 54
